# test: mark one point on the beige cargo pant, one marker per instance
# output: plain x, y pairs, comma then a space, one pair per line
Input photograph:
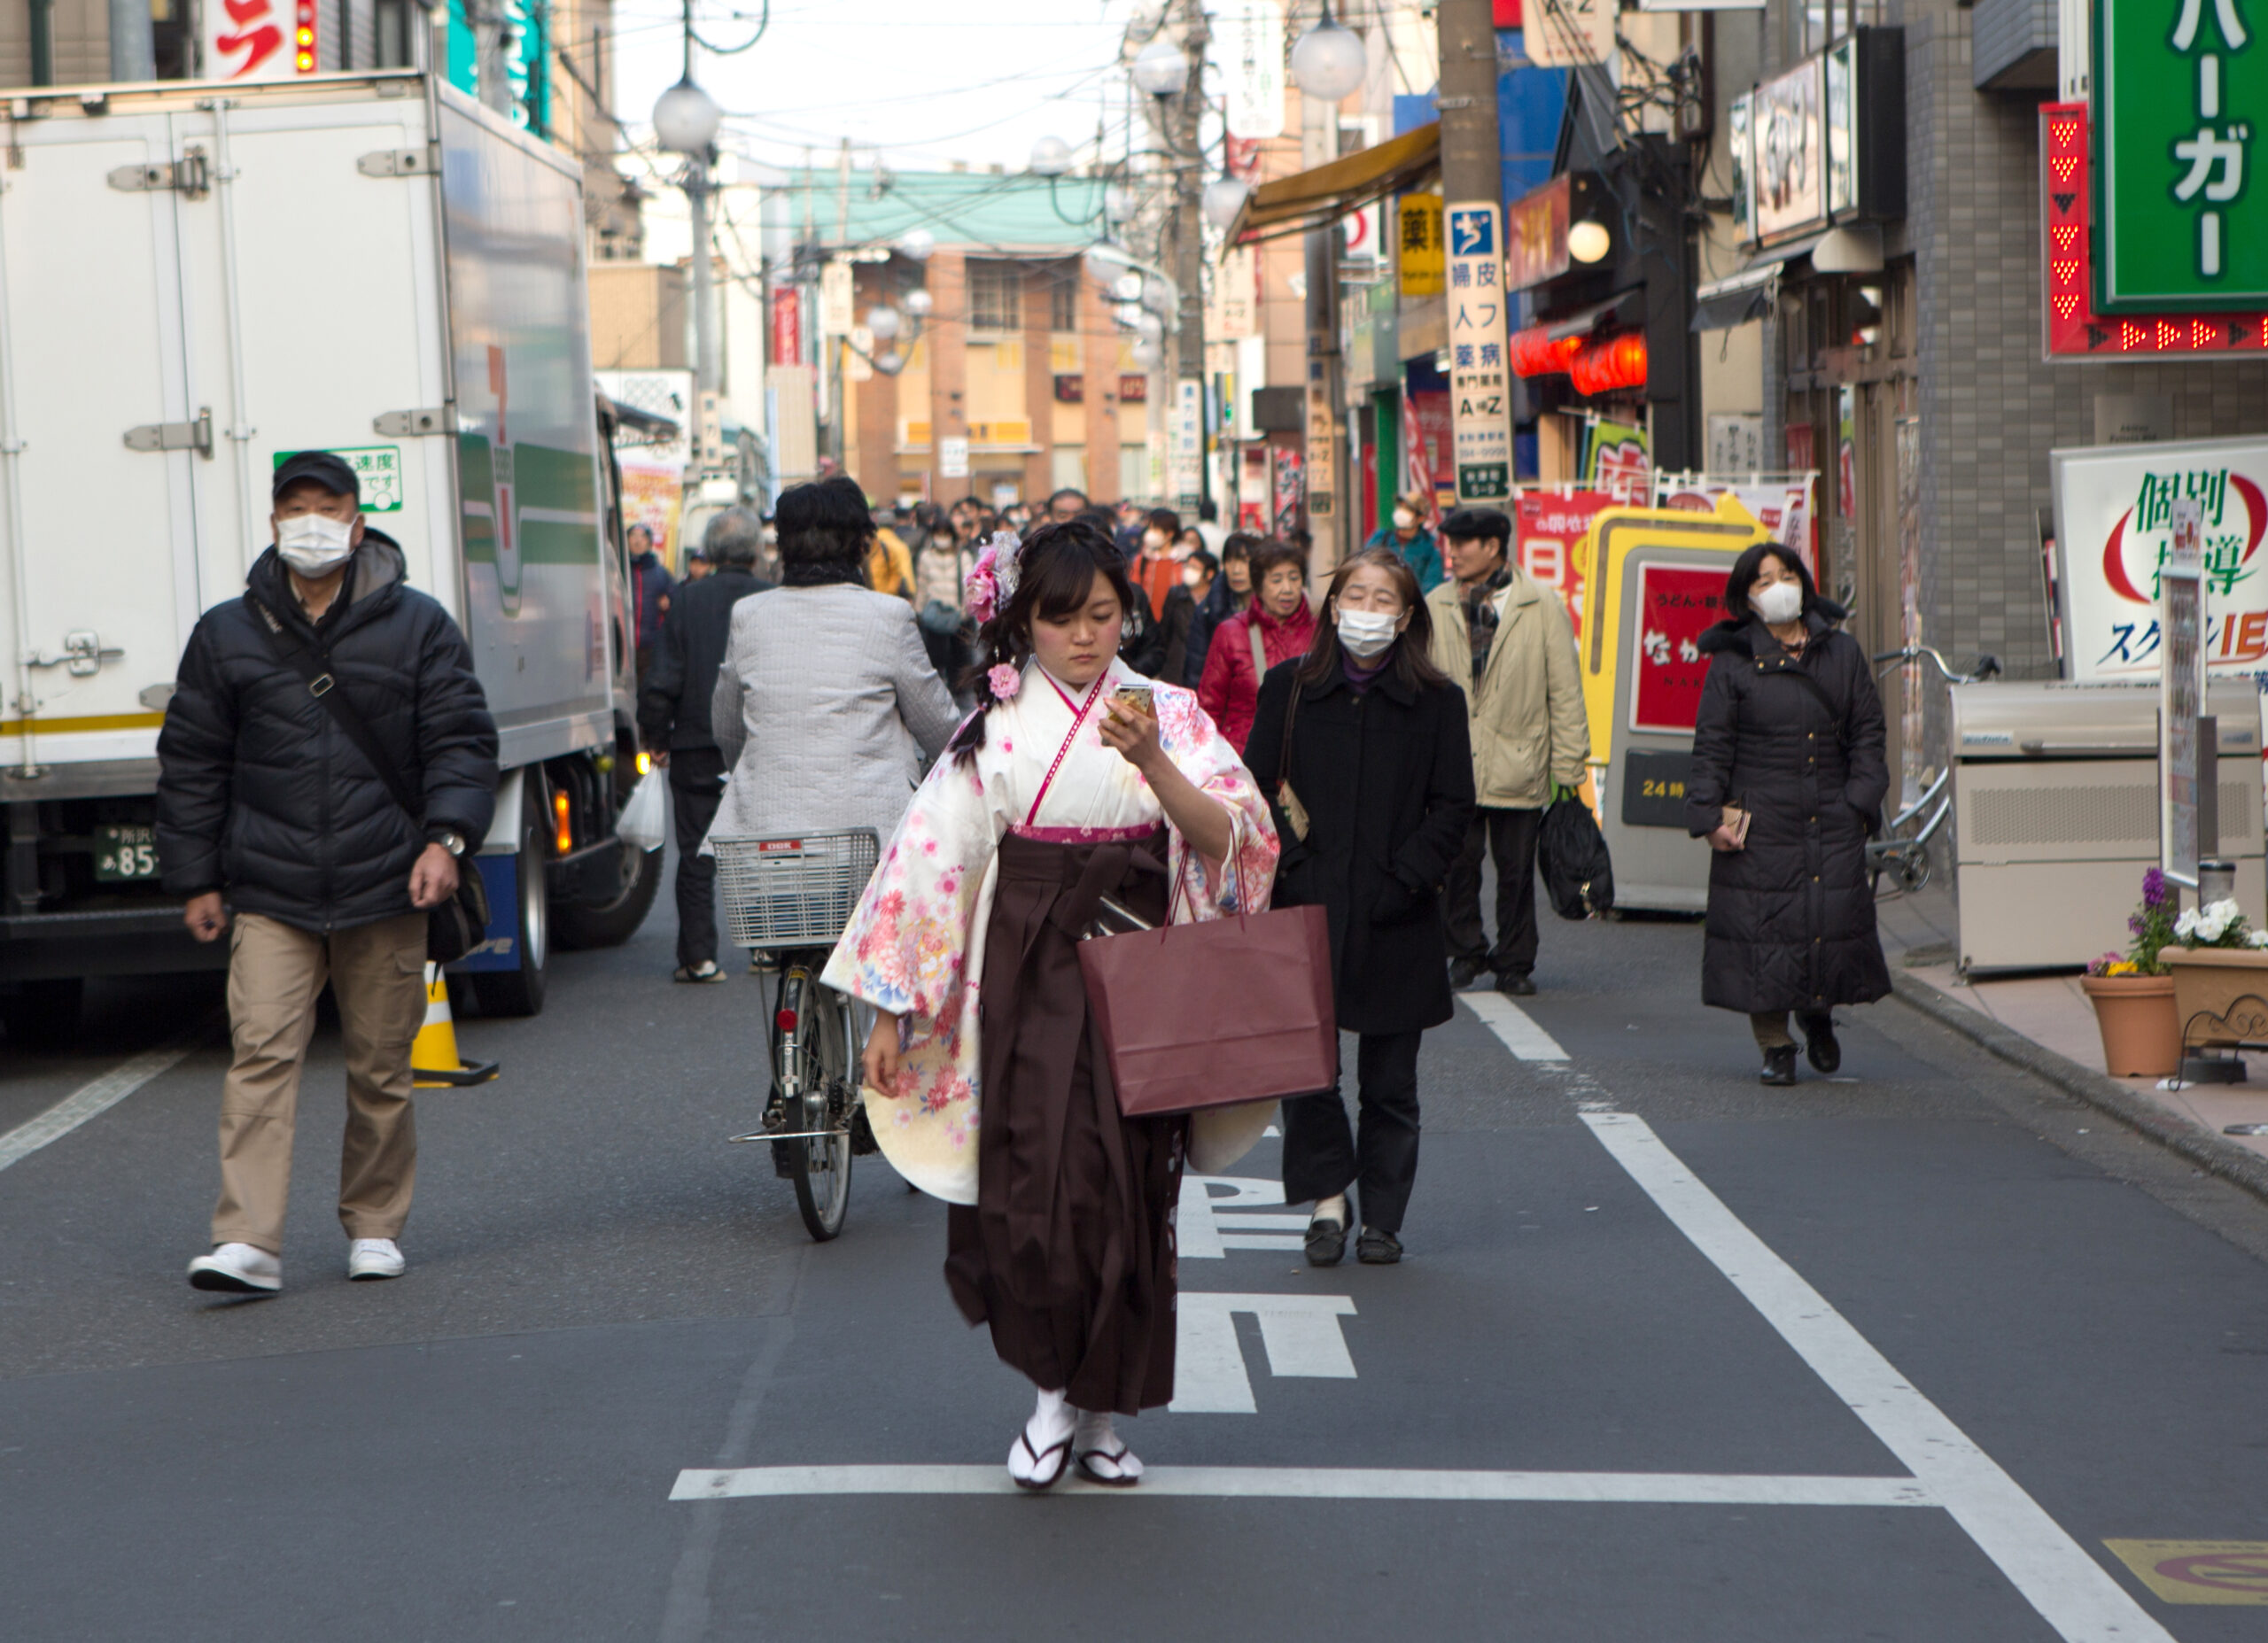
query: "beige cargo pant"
276, 973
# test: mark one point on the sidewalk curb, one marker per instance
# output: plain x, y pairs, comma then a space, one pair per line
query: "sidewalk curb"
2236, 1164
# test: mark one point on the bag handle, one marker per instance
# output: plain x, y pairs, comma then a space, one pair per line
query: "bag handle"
1259, 650
324, 685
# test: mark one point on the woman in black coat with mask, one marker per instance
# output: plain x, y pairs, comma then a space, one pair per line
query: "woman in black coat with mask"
1788, 782
1379, 758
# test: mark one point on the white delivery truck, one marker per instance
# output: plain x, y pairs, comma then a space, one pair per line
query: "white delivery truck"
197, 279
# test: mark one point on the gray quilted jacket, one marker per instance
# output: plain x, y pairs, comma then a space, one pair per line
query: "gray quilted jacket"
826, 703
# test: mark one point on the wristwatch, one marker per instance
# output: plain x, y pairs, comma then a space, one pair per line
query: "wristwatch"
451, 841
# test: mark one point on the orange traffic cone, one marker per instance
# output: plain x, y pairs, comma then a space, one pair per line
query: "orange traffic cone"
433, 1059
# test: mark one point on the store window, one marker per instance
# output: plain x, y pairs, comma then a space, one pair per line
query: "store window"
1814, 25
1063, 296
995, 297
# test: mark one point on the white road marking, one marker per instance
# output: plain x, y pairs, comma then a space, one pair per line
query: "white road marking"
89, 1100
1263, 1241
1300, 1334
1197, 1234
2071, 1592
1320, 1483
1521, 1035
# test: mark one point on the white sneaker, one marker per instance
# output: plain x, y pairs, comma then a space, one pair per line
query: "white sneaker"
374, 1258
237, 1269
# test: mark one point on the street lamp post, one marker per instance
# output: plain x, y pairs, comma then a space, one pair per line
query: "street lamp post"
685, 122
1174, 75
1327, 65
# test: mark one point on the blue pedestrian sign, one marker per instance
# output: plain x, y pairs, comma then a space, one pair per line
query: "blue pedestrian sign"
1472, 232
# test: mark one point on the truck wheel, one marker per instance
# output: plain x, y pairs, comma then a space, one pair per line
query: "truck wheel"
612, 912
43, 1015
520, 991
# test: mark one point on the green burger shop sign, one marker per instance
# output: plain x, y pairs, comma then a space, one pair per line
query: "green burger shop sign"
2180, 96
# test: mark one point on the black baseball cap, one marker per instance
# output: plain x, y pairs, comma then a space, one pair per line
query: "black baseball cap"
330, 472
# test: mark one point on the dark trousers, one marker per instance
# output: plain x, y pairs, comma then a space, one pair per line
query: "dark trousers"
1510, 836
1322, 1155
695, 792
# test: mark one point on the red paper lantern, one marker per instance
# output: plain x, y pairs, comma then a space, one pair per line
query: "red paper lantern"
1534, 354
1608, 362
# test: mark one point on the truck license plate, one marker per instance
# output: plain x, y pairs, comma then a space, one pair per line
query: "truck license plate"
125, 853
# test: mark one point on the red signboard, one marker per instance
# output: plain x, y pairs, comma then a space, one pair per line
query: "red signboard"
1676, 604
1427, 444
2075, 332
1535, 235
1551, 528
787, 325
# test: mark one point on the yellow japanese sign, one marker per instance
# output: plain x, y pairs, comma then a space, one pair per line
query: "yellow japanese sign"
1418, 237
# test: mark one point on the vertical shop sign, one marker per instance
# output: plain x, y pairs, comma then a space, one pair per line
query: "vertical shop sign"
1618, 464
1188, 442
1739, 119
259, 39
1290, 490
2181, 687
1676, 604
1322, 465
788, 325
1480, 405
1252, 55
1419, 226
1790, 149
2181, 94
1428, 441
835, 302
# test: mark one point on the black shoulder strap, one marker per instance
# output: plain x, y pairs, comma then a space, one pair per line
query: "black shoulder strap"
324, 688
1291, 717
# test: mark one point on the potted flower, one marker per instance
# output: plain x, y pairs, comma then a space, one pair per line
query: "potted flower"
2220, 975
2134, 996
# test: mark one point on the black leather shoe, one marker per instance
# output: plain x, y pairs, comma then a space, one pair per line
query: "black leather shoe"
1378, 1249
1819, 1048
1464, 972
1779, 1066
1516, 985
1326, 1240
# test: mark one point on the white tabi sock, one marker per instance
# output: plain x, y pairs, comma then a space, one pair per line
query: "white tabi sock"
1096, 1442
1049, 1424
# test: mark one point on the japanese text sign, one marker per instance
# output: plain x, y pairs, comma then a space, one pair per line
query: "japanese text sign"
259, 39
1551, 526
1615, 462
1535, 234
1480, 405
2115, 514
1251, 57
2181, 91
1786, 128
2181, 687
1417, 220
1676, 604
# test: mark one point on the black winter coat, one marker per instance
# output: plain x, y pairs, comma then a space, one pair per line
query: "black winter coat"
673, 697
1386, 777
1791, 918
1218, 605
262, 796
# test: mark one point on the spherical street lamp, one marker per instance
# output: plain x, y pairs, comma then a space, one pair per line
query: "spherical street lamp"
1147, 354
1149, 326
918, 302
1161, 69
1589, 241
1328, 61
1224, 196
917, 243
1156, 298
1051, 157
1105, 262
1127, 287
1117, 202
883, 320
890, 362
686, 118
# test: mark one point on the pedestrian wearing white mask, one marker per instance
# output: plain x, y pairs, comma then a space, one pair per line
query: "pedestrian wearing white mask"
1506, 639
269, 809
1362, 747
1409, 537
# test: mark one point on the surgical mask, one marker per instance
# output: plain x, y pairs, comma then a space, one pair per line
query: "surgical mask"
1366, 632
1782, 601
1193, 575
313, 544
1154, 541
1403, 519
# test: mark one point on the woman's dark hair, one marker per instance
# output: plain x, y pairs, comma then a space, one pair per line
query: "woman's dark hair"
1743, 577
824, 531
1202, 558
1056, 572
1163, 519
1240, 545
1413, 648
1270, 554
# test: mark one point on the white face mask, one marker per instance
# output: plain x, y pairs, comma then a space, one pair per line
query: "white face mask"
313, 544
1366, 632
1403, 519
1782, 601
1154, 541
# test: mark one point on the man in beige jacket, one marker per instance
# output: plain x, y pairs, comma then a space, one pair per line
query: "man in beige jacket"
1506, 639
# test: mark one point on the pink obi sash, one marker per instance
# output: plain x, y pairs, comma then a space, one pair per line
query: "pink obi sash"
1082, 835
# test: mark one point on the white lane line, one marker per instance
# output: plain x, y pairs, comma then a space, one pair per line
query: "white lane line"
89, 1100
1300, 1334
1320, 1483
1521, 1035
1263, 1241
2072, 1593
1197, 1234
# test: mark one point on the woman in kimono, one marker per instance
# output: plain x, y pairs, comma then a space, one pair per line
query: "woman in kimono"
1057, 791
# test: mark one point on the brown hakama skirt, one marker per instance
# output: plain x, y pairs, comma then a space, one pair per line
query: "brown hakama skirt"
1069, 1250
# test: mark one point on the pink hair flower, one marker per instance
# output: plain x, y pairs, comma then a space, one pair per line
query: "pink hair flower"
1006, 680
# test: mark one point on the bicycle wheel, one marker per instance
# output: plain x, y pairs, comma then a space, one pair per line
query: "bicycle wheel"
821, 1049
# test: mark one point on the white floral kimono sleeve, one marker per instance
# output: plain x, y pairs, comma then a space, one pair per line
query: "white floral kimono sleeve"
1199, 750
914, 947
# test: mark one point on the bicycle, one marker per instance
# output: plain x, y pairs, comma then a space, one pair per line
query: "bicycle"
789, 899
1908, 857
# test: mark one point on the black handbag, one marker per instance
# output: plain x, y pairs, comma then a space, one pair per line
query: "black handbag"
458, 924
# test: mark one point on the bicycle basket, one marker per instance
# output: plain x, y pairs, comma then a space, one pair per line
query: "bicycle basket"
793, 892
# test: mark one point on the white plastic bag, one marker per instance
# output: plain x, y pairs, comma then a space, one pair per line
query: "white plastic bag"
644, 821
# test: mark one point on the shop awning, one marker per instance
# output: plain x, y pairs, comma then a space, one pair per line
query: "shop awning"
1720, 305
1625, 308
1312, 199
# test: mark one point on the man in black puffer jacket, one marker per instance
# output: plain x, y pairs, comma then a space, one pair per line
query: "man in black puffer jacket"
265, 804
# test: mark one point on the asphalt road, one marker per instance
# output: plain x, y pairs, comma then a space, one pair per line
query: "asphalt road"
1672, 1357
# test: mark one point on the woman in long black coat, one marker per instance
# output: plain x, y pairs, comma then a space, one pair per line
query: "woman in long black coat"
1380, 758
1790, 731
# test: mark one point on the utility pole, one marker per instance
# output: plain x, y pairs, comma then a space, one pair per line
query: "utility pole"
1473, 217
1189, 270
1319, 146
1472, 164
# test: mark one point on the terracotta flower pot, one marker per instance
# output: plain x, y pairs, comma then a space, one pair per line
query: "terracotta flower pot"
2220, 993
2141, 1024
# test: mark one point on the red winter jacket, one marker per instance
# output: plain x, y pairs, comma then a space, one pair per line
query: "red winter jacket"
1229, 690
